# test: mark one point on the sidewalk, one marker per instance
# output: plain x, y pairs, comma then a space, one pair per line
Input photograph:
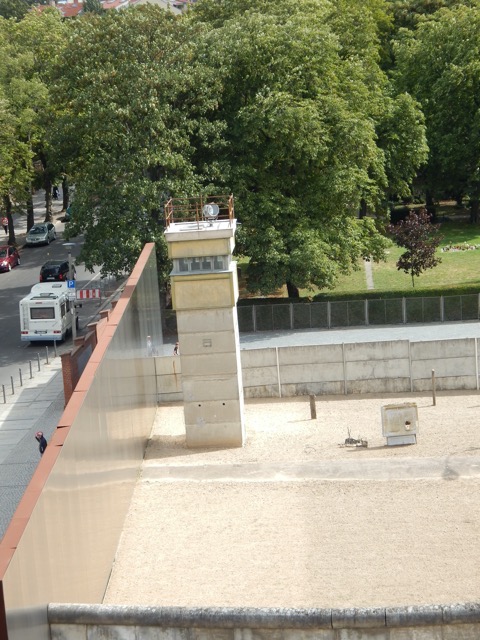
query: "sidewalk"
36, 406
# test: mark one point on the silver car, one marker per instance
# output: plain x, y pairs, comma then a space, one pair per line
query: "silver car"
42, 233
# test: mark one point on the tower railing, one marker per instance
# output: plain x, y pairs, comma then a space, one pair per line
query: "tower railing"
178, 210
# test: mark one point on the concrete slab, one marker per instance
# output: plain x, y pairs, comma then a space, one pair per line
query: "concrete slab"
8, 441
18, 423
402, 469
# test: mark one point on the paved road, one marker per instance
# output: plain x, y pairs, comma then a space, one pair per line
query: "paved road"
414, 333
14, 285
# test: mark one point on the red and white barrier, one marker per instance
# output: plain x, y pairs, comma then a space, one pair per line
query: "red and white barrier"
88, 294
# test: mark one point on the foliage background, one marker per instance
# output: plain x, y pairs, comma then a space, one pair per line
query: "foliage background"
315, 114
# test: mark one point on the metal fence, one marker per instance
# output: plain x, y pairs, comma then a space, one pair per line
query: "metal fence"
330, 315
350, 313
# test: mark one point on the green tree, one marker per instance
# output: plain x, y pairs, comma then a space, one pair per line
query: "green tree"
15, 152
305, 103
28, 47
438, 64
402, 137
9, 153
408, 13
41, 35
284, 104
421, 239
132, 105
92, 6
15, 9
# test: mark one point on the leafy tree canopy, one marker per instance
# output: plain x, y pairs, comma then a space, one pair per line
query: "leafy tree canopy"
15, 9
305, 103
438, 64
92, 6
282, 103
28, 48
133, 106
408, 13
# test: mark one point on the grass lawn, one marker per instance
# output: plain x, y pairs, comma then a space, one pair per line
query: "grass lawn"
458, 273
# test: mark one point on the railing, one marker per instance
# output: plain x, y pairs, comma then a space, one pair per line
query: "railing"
179, 210
330, 315
353, 313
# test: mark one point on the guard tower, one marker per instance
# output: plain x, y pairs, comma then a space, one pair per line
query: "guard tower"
200, 233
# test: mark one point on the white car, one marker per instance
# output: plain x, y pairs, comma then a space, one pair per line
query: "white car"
42, 233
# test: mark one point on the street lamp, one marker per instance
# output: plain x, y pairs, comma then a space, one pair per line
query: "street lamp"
69, 246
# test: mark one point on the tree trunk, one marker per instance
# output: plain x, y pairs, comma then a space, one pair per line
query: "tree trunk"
293, 291
430, 206
474, 205
47, 185
30, 212
7, 203
363, 209
65, 193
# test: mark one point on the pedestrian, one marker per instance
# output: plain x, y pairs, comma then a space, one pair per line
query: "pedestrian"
149, 346
42, 443
55, 192
176, 349
5, 224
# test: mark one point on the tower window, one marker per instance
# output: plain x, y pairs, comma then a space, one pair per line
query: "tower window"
204, 264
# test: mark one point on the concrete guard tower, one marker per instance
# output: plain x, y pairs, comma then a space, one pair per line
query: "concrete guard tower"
200, 234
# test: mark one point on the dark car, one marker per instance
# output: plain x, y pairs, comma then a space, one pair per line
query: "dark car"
55, 270
9, 258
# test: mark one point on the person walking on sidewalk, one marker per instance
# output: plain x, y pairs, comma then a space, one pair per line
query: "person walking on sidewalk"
5, 224
42, 443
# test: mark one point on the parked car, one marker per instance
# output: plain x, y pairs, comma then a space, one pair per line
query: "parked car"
55, 270
9, 258
42, 233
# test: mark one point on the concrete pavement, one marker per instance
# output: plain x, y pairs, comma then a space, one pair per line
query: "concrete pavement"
36, 406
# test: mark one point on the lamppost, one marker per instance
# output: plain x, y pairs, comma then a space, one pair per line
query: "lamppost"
69, 246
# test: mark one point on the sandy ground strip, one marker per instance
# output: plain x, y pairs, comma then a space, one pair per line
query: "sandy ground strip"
280, 539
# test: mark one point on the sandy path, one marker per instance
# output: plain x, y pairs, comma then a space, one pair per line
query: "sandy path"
270, 538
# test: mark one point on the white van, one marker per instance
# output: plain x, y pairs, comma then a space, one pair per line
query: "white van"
45, 314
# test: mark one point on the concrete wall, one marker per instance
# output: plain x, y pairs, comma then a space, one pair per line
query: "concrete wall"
441, 622
75, 361
63, 537
340, 369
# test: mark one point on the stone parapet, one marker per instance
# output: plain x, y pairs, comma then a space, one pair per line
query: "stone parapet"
136, 622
